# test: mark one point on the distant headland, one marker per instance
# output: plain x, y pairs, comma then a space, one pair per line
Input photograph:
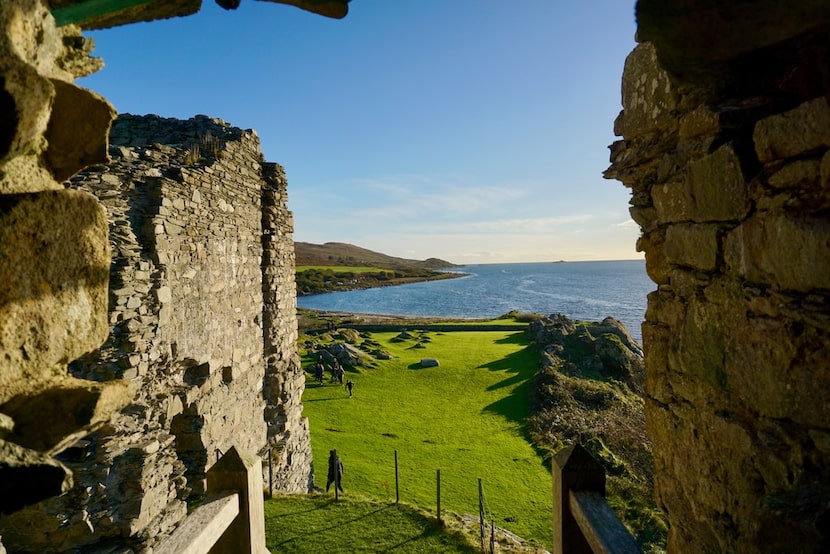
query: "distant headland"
339, 266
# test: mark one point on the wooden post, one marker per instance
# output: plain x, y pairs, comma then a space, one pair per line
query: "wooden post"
573, 469
270, 474
438, 485
492, 537
241, 472
481, 513
397, 483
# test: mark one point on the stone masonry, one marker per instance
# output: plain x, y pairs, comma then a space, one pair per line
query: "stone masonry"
725, 149
202, 315
730, 184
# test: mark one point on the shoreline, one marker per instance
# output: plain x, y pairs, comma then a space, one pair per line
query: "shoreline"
359, 284
314, 321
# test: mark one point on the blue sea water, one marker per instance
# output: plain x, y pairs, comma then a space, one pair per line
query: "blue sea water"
581, 290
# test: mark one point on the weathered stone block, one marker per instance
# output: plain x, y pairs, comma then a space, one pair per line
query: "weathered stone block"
71, 407
672, 202
697, 356
692, 245
699, 121
773, 388
54, 270
798, 174
779, 250
648, 99
798, 131
717, 188
78, 130
657, 266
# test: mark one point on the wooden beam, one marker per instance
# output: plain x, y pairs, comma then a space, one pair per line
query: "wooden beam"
92, 9
203, 526
600, 526
241, 471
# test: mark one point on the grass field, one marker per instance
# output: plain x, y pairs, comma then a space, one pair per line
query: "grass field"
340, 268
317, 523
464, 417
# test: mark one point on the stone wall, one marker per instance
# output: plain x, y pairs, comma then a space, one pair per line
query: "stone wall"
730, 184
725, 150
203, 321
54, 255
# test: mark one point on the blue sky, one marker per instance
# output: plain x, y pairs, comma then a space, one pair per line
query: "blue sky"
475, 131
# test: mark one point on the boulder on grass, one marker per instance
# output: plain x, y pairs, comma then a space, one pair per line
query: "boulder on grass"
429, 362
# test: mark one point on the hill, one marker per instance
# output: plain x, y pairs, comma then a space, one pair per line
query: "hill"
344, 254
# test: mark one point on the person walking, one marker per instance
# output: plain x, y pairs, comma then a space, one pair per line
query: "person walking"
335, 475
349, 387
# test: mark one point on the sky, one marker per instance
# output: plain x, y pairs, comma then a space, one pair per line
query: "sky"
475, 131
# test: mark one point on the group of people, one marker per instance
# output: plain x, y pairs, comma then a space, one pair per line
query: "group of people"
337, 373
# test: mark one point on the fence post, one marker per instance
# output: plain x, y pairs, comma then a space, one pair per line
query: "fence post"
481, 514
397, 484
242, 472
438, 486
573, 468
492, 537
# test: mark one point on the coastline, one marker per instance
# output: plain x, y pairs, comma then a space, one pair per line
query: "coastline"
369, 281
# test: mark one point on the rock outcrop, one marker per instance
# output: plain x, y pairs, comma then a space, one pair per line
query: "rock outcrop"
588, 391
605, 349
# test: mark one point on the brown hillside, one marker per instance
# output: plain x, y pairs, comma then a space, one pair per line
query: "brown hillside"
340, 253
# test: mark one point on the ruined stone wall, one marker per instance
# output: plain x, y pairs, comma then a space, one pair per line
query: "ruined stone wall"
54, 255
201, 291
731, 187
54, 273
288, 432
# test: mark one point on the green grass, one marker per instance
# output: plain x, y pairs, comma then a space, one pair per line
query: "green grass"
340, 268
465, 417
317, 523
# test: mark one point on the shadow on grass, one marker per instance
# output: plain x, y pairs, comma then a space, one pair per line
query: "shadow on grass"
305, 400
431, 529
514, 407
338, 525
521, 368
519, 337
333, 526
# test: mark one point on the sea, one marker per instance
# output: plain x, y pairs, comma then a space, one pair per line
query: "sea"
588, 291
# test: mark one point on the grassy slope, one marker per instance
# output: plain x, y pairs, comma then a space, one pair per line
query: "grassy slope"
344, 254
353, 269
465, 417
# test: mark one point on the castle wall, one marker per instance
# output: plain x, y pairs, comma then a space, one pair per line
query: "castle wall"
201, 291
54, 256
731, 192
730, 187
